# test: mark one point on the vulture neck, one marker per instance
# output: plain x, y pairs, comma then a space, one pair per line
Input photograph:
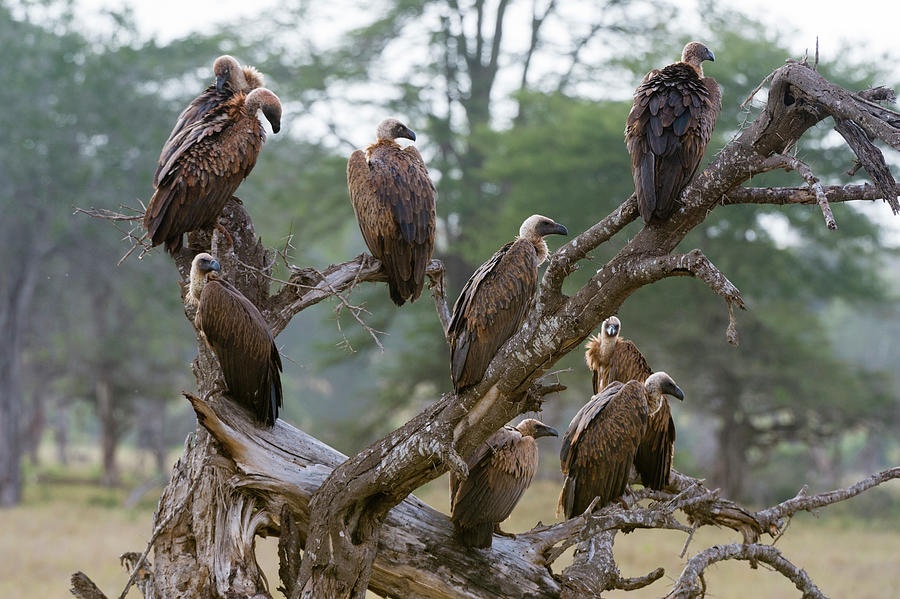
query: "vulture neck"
381, 142
540, 246
198, 282
607, 347
655, 400
698, 68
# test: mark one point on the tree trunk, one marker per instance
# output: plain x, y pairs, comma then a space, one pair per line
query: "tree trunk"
730, 465
18, 290
109, 431
61, 430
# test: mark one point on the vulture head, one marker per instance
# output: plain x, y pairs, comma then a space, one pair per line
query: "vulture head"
535, 428
695, 53
202, 265
611, 327
392, 129
228, 70
262, 98
659, 384
535, 228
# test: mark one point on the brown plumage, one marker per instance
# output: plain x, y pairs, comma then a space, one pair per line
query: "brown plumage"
495, 300
668, 129
240, 338
393, 198
231, 78
602, 441
209, 159
500, 469
612, 358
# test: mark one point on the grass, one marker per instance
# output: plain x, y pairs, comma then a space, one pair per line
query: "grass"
63, 528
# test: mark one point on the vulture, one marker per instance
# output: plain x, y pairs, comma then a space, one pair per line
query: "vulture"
231, 78
668, 129
495, 300
205, 165
240, 338
602, 441
393, 198
500, 469
611, 359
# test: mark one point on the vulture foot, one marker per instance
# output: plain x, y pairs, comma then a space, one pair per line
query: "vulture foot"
498, 531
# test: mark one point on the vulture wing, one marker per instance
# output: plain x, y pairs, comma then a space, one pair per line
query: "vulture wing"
490, 309
499, 472
208, 161
628, 363
653, 460
600, 445
668, 129
199, 106
394, 201
245, 347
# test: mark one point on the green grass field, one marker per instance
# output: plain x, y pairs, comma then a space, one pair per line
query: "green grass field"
62, 528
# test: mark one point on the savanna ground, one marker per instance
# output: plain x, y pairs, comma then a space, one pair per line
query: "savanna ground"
68, 523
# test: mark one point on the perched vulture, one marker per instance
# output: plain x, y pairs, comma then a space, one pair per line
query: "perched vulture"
393, 199
231, 78
668, 128
495, 300
240, 338
205, 165
611, 359
500, 469
602, 441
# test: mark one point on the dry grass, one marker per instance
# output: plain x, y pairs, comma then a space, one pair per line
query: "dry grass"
64, 528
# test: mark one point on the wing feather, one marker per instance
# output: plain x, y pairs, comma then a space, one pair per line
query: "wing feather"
653, 459
600, 445
672, 119
245, 347
490, 309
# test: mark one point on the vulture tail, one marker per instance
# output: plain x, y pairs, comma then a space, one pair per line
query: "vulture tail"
479, 535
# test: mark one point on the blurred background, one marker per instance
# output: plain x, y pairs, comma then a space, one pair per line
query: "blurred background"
519, 107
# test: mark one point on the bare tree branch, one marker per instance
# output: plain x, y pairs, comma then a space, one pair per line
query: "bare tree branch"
783, 196
689, 585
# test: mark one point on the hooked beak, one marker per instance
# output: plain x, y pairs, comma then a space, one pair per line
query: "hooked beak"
710, 56
559, 230
214, 265
409, 134
273, 115
612, 330
542, 430
220, 82
673, 390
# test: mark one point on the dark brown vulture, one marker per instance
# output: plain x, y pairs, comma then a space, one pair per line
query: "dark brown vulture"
209, 159
611, 359
602, 441
240, 338
231, 78
393, 198
668, 129
500, 469
495, 300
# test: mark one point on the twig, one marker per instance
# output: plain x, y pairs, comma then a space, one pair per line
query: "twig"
757, 88
790, 163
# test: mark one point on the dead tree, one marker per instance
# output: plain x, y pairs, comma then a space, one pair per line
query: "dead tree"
348, 524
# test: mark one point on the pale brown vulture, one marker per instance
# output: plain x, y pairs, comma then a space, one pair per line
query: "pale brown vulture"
209, 159
612, 358
500, 469
495, 300
231, 78
240, 338
393, 198
668, 129
602, 441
